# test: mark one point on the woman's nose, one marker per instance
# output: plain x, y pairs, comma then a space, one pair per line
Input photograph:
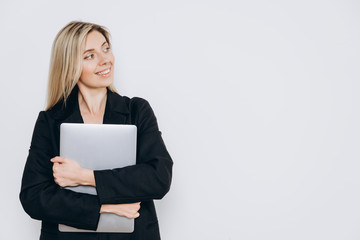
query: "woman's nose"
103, 58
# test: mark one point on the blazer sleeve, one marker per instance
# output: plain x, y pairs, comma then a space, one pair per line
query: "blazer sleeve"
150, 178
41, 197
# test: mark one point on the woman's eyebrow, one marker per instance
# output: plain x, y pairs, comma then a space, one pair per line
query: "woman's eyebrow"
90, 50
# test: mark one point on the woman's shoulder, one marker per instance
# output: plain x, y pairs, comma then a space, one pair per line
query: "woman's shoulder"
129, 100
130, 103
60, 110
139, 109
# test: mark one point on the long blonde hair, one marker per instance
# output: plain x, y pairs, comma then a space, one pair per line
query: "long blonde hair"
66, 59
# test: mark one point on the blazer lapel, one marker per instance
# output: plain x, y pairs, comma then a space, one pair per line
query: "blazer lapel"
116, 111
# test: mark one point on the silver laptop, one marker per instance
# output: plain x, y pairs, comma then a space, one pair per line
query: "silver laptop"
99, 147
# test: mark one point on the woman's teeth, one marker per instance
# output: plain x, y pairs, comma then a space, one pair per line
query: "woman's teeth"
103, 72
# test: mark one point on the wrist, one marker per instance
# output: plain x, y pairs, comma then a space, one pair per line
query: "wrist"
105, 208
87, 177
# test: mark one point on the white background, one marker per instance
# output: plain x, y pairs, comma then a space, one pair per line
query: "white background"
258, 102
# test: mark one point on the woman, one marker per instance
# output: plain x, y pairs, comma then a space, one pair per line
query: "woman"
81, 91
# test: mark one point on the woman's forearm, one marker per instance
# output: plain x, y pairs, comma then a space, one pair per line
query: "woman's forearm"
129, 210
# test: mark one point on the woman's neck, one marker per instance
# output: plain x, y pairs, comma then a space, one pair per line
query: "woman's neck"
92, 104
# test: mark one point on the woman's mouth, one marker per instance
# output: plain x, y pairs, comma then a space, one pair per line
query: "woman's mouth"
104, 73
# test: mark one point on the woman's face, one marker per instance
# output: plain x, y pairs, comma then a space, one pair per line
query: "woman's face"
98, 60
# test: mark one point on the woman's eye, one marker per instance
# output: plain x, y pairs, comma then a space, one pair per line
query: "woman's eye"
88, 57
106, 49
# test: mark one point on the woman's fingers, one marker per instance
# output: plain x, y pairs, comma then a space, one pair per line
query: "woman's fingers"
137, 206
66, 172
131, 210
132, 216
58, 160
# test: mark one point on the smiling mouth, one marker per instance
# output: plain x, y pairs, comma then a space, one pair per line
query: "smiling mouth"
104, 73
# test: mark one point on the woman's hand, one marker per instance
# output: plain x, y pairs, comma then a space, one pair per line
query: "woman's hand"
68, 173
129, 210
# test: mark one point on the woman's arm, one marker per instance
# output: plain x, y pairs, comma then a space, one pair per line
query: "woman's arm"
42, 198
68, 173
150, 178
129, 210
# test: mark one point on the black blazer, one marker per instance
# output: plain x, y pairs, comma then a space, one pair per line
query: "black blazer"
149, 179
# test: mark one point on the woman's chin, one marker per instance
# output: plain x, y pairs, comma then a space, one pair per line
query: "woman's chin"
98, 84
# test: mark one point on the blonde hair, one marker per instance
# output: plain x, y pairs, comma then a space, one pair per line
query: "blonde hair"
66, 60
